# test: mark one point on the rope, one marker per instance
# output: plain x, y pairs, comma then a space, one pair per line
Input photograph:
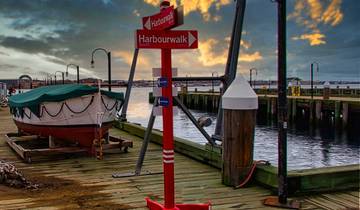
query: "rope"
75, 112
251, 172
29, 117
51, 115
106, 107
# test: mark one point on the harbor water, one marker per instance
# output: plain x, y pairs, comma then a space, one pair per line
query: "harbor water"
307, 147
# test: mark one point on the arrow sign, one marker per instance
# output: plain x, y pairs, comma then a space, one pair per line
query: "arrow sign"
166, 19
166, 39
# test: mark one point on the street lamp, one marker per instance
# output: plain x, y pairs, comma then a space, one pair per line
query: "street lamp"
108, 53
77, 72
212, 81
62, 76
312, 76
251, 70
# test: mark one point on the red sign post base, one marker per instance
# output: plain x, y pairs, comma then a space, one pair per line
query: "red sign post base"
153, 205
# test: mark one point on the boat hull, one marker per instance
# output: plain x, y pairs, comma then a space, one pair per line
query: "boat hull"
82, 135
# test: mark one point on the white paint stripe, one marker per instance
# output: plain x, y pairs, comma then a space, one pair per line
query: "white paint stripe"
168, 151
168, 161
168, 156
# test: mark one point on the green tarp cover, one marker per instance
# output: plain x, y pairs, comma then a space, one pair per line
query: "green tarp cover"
55, 93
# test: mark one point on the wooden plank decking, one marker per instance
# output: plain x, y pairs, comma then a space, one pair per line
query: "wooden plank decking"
86, 183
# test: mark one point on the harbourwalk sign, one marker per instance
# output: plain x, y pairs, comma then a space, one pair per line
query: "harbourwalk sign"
167, 39
156, 34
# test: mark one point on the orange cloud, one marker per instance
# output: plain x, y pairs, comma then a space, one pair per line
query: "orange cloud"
207, 55
314, 39
333, 14
210, 58
127, 57
250, 57
202, 6
156, 3
311, 14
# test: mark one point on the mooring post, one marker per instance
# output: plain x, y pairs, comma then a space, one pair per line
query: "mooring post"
239, 104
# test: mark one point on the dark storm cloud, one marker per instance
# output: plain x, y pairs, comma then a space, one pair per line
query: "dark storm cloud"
25, 44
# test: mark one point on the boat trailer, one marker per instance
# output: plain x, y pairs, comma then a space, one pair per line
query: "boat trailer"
29, 147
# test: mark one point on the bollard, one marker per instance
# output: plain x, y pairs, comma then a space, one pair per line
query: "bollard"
239, 104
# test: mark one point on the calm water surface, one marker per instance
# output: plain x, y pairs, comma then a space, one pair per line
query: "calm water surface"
307, 148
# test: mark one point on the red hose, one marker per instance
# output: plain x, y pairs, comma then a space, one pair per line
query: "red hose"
251, 172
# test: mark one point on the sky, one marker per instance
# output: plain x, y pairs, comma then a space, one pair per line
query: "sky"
40, 37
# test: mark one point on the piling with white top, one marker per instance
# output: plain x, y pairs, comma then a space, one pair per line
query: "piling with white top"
239, 104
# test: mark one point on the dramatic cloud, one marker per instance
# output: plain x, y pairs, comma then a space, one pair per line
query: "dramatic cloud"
311, 15
210, 57
143, 61
314, 39
251, 57
202, 6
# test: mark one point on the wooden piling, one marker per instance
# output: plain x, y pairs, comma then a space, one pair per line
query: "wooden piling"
318, 110
268, 107
238, 146
345, 114
311, 111
337, 112
293, 109
273, 107
240, 103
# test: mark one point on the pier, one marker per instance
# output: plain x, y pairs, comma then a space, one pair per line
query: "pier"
84, 182
341, 108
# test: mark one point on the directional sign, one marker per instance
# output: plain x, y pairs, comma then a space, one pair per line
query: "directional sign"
166, 19
162, 82
166, 39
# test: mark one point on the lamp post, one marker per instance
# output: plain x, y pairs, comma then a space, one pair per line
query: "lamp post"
108, 53
312, 76
251, 70
77, 71
62, 76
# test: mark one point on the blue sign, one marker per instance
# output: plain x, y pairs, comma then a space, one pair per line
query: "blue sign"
162, 82
164, 101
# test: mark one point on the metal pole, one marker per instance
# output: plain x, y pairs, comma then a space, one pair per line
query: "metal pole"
109, 69
231, 65
63, 79
250, 77
77, 75
55, 78
282, 103
311, 80
145, 143
129, 86
193, 120
168, 137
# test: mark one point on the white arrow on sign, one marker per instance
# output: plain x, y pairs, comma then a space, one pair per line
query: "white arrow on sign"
147, 24
192, 39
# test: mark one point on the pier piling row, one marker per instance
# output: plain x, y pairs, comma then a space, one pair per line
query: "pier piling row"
338, 109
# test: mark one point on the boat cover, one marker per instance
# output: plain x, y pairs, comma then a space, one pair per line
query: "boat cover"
55, 93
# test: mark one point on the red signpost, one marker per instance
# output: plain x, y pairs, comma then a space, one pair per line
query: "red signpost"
157, 37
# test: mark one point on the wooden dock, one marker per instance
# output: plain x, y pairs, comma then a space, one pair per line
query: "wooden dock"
86, 183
